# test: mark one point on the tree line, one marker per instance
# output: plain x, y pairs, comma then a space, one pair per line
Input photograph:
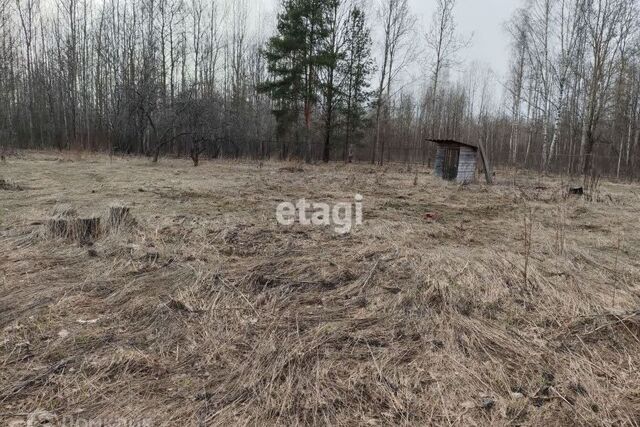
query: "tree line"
575, 86
326, 80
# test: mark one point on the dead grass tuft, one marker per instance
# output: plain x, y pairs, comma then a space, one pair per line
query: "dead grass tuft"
10, 186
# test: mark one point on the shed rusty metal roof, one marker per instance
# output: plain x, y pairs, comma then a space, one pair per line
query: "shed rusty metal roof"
451, 141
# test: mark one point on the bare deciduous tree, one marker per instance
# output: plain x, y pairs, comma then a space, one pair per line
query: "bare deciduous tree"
397, 24
444, 44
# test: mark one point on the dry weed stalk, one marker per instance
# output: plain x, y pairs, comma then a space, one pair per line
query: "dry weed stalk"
561, 226
616, 272
592, 186
528, 230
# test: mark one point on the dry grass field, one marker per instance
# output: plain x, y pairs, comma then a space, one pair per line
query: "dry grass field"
206, 311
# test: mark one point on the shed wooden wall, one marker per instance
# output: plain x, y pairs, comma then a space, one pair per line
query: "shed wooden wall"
467, 164
439, 161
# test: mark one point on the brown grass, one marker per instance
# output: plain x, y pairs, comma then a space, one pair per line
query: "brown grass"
206, 311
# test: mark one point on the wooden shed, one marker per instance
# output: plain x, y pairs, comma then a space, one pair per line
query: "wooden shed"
456, 161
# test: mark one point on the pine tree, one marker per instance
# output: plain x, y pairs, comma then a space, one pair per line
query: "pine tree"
294, 56
333, 55
357, 67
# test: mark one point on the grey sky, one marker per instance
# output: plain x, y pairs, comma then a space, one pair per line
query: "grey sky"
484, 19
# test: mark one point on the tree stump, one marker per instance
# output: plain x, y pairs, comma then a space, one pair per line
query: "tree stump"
80, 229
576, 191
86, 229
59, 228
61, 225
119, 216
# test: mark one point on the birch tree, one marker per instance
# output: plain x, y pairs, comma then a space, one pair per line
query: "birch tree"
444, 45
397, 23
519, 32
609, 23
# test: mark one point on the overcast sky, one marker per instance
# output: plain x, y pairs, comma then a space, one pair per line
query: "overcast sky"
484, 19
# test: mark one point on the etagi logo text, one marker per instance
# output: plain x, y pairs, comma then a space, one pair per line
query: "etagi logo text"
343, 216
